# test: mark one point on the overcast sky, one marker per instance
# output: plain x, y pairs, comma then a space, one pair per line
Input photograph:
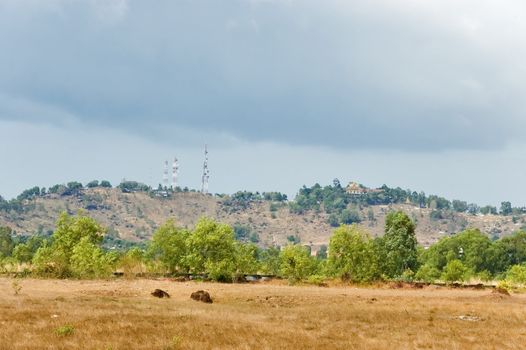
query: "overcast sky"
428, 95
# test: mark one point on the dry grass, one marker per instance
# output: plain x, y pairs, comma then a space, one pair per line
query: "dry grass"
123, 315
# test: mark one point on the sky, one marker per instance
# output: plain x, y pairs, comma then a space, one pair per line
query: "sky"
427, 95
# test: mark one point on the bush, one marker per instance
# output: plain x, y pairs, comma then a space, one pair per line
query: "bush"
516, 274
455, 271
427, 273
295, 263
65, 330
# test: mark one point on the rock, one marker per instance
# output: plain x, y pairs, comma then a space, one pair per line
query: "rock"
159, 293
203, 296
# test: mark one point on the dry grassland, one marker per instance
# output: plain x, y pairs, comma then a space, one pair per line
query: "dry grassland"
123, 315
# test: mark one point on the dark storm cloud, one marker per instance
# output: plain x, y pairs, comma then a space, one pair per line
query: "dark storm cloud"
385, 74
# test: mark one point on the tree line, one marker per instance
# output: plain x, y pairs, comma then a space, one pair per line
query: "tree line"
210, 249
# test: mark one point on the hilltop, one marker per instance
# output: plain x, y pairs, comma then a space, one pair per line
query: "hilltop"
132, 214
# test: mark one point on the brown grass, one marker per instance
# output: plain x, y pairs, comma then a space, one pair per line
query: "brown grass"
123, 315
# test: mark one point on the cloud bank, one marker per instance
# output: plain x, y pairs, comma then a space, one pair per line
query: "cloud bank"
398, 74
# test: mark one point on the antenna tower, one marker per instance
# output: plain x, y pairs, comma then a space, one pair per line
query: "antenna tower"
175, 173
206, 173
165, 174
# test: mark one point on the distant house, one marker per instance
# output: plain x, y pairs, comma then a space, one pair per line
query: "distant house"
355, 189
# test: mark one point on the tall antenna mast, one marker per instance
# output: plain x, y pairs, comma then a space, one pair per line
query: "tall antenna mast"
165, 174
206, 173
175, 173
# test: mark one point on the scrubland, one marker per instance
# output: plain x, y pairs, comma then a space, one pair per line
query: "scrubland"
121, 314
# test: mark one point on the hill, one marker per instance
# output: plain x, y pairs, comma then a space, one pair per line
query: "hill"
269, 219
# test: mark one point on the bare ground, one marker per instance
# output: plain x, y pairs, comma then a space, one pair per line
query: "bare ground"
121, 314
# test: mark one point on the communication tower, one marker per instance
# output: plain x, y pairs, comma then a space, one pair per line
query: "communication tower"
206, 173
165, 174
175, 173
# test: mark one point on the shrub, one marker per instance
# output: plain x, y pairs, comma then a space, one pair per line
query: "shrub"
65, 330
516, 274
427, 273
455, 271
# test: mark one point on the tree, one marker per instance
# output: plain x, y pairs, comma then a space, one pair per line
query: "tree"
517, 274
211, 250
93, 184
454, 271
270, 261
54, 258
349, 217
24, 252
505, 208
471, 247
168, 246
105, 183
352, 255
89, 261
400, 244
245, 259
460, 206
6, 242
295, 263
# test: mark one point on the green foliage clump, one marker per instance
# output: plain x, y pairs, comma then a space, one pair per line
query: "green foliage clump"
399, 244
455, 271
169, 247
516, 274
74, 250
352, 255
295, 263
65, 330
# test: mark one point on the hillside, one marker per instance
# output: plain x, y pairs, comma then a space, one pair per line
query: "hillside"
134, 216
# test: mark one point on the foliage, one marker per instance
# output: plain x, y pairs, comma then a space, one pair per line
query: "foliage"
6, 242
269, 260
427, 273
295, 263
399, 243
133, 186
471, 247
211, 249
516, 274
60, 257
131, 262
352, 255
65, 330
89, 261
168, 245
455, 271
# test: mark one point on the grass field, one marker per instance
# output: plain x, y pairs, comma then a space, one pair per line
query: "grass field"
121, 314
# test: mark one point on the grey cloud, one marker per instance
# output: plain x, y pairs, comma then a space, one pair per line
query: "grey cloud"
345, 74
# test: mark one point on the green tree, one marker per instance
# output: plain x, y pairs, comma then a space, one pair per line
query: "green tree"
89, 261
505, 208
400, 244
471, 247
168, 246
295, 263
455, 271
246, 259
24, 252
6, 242
349, 217
352, 256
427, 273
211, 250
517, 274
54, 258
270, 261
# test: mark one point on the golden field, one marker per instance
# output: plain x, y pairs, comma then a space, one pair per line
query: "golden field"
121, 314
